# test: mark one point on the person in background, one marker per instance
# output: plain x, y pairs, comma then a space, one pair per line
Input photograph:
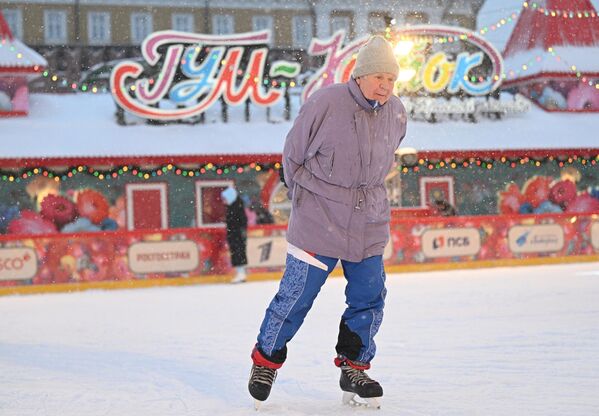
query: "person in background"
262, 214
236, 223
335, 159
443, 207
249, 212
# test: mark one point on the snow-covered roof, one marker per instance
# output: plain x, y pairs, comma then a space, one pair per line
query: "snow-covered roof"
554, 36
566, 60
551, 23
83, 125
15, 56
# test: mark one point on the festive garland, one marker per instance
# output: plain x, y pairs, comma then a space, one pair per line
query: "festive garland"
135, 171
566, 14
221, 169
510, 18
489, 164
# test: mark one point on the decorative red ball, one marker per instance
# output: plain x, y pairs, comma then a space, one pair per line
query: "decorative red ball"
563, 193
583, 203
536, 190
31, 223
92, 205
510, 200
58, 209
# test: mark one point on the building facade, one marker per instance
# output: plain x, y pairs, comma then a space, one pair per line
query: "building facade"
293, 23
75, 35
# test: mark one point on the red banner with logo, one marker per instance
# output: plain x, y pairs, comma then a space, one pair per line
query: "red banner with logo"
140, 255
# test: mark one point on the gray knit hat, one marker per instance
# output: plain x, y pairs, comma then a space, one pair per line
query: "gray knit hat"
376, 55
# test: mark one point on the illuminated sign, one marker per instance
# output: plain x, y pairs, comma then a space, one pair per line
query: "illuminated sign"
450, 242
339, 61
197, 85
196, 70
544, 238
424, 64
17, 263
163, 257
439, 59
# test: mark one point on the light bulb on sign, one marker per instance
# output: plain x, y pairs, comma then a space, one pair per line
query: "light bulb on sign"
406, 74
403, 47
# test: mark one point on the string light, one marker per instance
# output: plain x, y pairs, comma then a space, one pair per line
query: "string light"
134, 171
530, 65
226, 169
511, 18
558, 13
492, 163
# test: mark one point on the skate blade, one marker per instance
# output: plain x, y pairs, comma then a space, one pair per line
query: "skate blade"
350, 400
257, 404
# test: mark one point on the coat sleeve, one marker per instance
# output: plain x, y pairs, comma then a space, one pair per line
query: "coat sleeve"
403, 117
300, 138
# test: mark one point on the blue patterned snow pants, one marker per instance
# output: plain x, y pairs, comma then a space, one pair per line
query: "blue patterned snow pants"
365, 298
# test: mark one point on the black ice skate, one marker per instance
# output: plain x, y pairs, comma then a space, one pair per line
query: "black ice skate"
261, 380
355, 381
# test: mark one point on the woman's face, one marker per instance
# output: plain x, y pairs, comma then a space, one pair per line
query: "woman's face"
377, 86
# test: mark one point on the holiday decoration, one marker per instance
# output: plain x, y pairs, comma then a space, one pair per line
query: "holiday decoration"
92, 204
216, 77
30, 222
551, 68
583, 97
19, 64
510, 200
7, 213
562, 193
583, 203
545, 195
536, 190
58, 209
547, 207
80, 225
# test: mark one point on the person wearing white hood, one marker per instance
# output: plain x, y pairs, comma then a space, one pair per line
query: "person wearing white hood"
236, 223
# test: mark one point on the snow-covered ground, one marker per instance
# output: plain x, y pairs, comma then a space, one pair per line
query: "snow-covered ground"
511, 341
84, 125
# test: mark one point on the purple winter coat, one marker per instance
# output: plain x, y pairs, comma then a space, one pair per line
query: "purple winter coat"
335, 160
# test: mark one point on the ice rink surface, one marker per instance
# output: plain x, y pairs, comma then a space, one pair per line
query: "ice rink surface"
493, 342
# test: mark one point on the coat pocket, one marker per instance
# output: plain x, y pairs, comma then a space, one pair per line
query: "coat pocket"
378, 212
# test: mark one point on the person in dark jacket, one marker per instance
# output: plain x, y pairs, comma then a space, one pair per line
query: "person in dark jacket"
236, 223
336, 157
444, 208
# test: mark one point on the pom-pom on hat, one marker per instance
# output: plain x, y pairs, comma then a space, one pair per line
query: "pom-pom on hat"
229, 195
376, 55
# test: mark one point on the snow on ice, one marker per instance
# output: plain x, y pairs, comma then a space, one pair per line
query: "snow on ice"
493, 342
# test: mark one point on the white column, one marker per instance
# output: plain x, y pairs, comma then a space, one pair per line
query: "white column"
323, 27
361, 21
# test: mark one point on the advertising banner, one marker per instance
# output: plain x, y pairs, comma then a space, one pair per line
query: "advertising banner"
164, 256
17, 263
536, 238
198, 252
266, 251
450, 242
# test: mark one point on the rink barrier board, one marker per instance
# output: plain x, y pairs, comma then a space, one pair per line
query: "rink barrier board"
124, 259
270, 276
